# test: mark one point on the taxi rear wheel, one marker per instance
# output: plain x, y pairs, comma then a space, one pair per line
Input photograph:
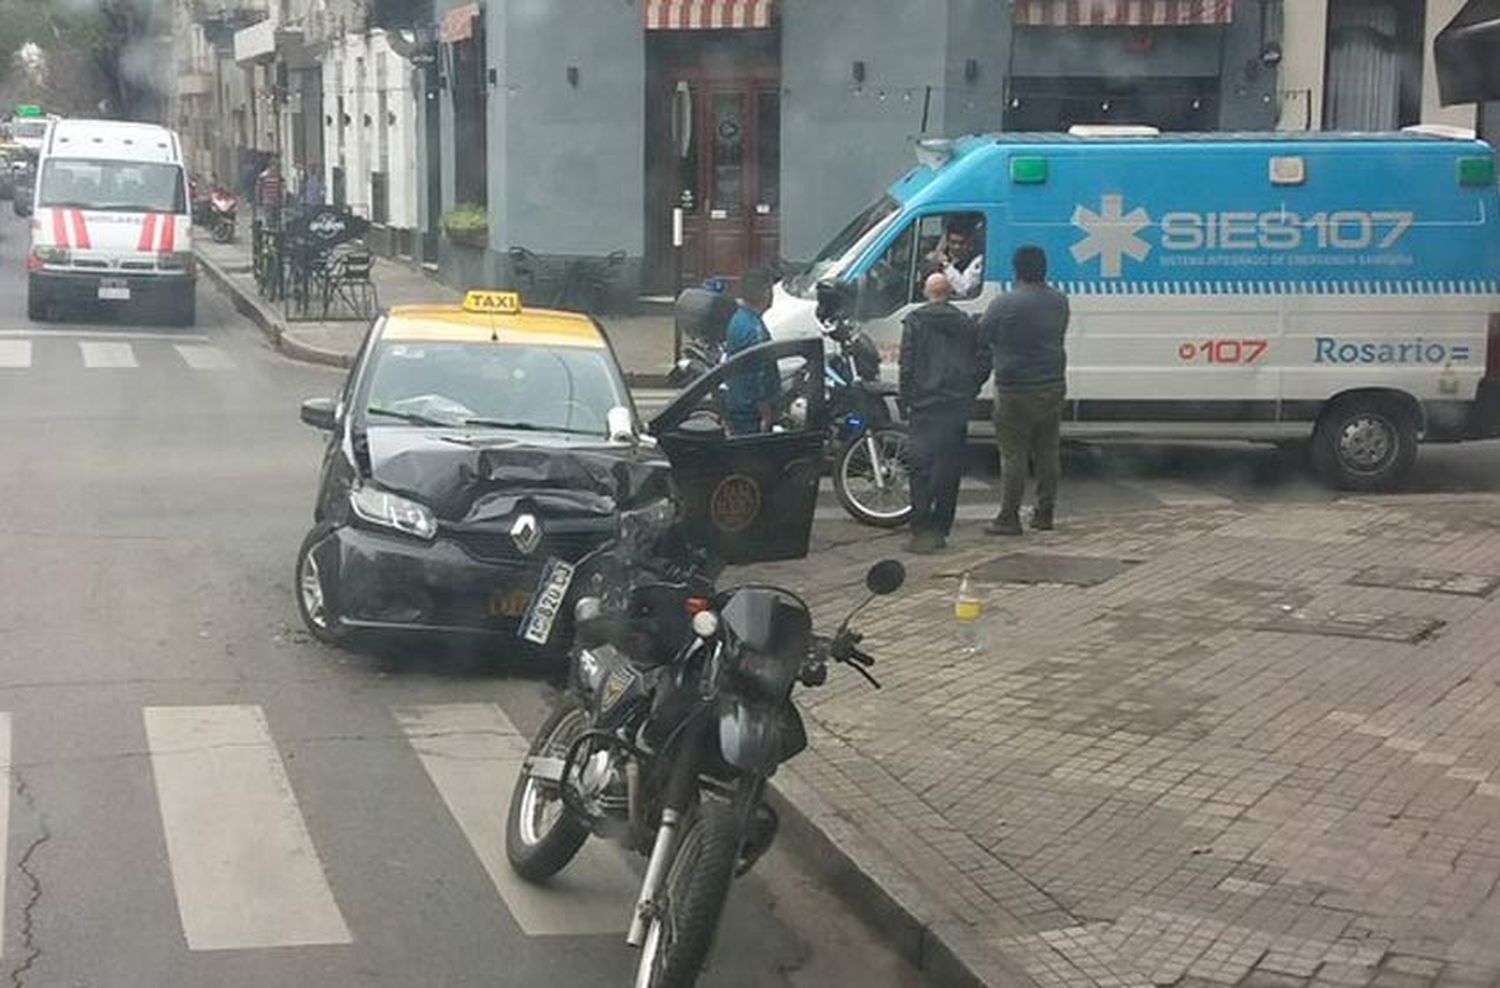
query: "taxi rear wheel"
317, 592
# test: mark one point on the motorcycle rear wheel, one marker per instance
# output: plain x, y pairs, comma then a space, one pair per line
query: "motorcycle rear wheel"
879, 497
692, 897
541, 834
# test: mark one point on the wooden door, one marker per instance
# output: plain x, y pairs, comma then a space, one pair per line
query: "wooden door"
728, 165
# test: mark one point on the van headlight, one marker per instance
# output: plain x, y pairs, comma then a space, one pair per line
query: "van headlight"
388, 510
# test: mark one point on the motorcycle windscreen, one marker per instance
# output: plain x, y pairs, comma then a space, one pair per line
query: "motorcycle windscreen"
747, 492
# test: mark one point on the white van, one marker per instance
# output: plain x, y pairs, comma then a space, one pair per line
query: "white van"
111, 221
1342, 289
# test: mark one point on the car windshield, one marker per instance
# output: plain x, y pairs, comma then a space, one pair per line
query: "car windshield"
493, 385
846, 246
112, 186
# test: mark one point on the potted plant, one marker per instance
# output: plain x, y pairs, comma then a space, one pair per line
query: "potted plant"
467, 225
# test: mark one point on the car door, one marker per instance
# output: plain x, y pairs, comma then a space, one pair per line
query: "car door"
750, 498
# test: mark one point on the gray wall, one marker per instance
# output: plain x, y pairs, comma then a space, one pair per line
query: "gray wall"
1248, 89
573, 158
976, 30
841, 145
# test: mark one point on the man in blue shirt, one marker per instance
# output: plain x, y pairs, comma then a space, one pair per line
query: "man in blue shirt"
752, 390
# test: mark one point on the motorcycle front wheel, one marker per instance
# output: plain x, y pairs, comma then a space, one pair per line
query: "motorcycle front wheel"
871, 477
541, 834
692, 897
223, 232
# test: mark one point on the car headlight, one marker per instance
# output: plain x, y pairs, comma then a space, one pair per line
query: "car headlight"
387, 510
640, 528
53, 255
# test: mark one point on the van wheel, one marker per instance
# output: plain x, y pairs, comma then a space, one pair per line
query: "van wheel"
1365, 443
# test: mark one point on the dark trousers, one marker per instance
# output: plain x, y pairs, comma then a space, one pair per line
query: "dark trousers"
936, 463
1027, 423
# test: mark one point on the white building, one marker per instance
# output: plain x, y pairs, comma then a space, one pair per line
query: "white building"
1366, 65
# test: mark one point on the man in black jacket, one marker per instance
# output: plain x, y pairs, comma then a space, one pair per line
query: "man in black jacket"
941, 372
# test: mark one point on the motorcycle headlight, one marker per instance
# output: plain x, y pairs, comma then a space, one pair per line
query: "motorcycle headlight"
640, 527
387, 510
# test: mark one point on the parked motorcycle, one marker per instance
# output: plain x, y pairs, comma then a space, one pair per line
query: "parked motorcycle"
680, 709
216, 210
867, 443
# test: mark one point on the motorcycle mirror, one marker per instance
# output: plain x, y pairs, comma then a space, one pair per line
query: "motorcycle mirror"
885, 577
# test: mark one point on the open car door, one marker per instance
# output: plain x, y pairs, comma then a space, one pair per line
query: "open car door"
750, 498
1467, 53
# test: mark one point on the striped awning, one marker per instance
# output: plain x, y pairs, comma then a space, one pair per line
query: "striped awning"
689, 15
1123, 13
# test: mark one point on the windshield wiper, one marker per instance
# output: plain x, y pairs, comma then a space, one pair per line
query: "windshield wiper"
411, 417
528, 427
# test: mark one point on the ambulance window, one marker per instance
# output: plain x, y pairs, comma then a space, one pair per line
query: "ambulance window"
887, 285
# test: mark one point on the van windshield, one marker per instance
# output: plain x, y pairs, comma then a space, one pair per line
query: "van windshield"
30, 130
113, 186
846, 246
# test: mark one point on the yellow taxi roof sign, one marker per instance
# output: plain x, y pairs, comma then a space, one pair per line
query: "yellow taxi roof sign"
493, 303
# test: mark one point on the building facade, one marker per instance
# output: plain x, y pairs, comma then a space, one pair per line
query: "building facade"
703, 138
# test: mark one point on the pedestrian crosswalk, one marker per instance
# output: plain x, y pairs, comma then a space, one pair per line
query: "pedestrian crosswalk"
245, 868
105, 354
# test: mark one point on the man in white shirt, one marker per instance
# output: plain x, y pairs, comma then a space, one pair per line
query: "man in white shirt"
959, 257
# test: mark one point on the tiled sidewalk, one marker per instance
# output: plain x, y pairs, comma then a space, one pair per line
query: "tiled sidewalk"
1266, 752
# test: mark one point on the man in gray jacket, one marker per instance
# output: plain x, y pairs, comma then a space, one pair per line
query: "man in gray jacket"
941, 373
1024, 330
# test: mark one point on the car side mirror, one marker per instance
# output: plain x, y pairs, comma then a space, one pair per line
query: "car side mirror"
621, 425
319, 413
885, 577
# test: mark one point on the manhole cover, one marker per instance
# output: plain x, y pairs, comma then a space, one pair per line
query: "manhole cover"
1078, 571
1427, 580
1377, 627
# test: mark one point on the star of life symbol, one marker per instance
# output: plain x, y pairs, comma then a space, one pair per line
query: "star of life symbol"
1111, 235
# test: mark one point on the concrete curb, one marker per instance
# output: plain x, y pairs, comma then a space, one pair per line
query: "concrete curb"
272, 326
882, 893
284, 339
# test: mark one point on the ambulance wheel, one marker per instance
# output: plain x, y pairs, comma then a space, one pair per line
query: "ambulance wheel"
1365, 443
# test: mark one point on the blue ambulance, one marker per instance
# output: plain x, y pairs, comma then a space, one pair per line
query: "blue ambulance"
1336, 289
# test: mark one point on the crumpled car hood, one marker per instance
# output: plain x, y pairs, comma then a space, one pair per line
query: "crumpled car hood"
470, 479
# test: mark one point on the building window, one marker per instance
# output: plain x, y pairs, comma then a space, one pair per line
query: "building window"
1374, 68
1185, 103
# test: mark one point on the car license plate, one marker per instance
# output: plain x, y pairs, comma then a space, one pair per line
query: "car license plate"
114, 290
547, 603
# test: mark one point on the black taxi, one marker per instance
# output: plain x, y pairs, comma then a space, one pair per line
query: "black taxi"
479, 451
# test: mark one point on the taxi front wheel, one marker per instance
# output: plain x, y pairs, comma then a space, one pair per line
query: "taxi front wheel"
317, 591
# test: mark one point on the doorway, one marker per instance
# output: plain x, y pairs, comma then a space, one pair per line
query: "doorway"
713, 156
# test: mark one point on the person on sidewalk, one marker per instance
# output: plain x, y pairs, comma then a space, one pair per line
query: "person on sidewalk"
270, 193
941, 373
753, 391
1024, 331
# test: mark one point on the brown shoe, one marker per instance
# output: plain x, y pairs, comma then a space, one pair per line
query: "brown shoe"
1002, 525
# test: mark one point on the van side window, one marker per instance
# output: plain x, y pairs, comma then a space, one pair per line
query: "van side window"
887, 286
954, 244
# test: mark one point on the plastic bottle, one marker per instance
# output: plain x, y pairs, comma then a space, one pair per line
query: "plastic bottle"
968, 609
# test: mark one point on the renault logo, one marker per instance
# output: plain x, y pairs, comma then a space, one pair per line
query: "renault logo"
526, 533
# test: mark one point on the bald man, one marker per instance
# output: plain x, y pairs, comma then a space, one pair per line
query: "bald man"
942, 368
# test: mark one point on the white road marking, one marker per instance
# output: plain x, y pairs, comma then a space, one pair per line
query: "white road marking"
473, 754
243, 864
101, 334
96, 354
200, 357
4, 810
15, 353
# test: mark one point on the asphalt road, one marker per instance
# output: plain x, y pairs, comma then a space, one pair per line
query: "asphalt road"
199, 794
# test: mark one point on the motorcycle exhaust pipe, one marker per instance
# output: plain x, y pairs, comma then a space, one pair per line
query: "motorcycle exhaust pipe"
633, 801
656, 873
